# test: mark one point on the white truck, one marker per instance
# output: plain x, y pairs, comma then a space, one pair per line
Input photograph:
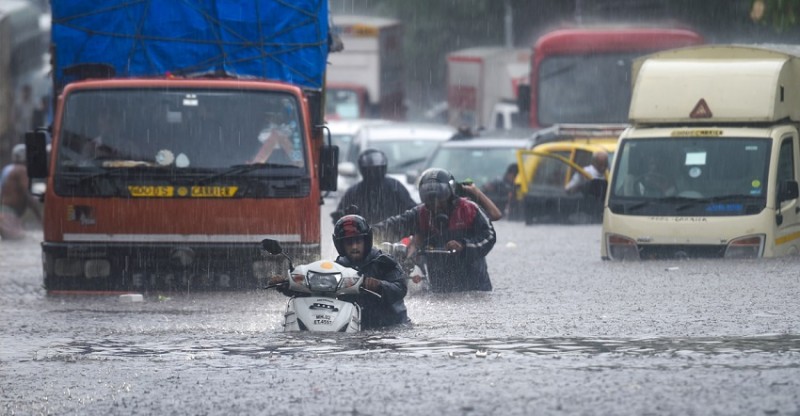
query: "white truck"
366, 78
482, 87
710, 165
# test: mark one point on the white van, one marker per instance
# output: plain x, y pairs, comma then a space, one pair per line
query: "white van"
711, 164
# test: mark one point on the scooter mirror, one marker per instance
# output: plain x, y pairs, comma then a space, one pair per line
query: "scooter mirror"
272, 246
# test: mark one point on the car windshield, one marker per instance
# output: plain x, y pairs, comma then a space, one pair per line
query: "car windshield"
174, 130
404, 155
481, 165
591, 88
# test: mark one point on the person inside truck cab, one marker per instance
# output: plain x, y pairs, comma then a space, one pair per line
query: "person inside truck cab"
280, 138
98, 144
107, 139
597, 169
654, 181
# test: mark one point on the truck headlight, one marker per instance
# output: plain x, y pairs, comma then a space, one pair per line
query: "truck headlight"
748, 247
67, 267
319, 282
96, 268
622, 248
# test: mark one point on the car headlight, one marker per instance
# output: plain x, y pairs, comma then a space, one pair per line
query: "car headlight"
319, 282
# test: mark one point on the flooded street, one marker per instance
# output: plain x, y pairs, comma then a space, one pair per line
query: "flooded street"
562, 333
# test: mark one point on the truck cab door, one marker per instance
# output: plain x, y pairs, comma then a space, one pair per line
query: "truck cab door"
787, 216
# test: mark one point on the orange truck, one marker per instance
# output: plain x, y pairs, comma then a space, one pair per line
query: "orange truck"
183, 135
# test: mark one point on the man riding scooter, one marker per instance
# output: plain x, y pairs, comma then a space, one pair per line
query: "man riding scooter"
352, 237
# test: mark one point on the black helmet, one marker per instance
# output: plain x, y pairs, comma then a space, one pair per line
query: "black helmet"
436, 185
372, 164
351, 226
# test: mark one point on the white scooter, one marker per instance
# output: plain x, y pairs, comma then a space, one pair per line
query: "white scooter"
317, 288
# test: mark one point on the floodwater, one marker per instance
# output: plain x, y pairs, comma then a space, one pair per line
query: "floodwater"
562, 333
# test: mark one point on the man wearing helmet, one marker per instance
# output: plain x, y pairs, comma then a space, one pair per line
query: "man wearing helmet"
14, 196
377, 196
352, 237
444, 220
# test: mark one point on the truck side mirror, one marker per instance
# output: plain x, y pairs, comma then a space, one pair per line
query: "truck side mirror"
328, 167
412, 176
36, 154
787, 190
348, 169
524, 98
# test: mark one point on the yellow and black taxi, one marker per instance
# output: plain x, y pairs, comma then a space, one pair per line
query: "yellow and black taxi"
547, 168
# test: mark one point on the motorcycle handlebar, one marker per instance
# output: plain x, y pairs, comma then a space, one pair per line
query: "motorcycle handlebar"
371, 292
438, 251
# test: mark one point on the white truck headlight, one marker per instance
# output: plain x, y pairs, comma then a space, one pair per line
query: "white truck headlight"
748, 247
621, 248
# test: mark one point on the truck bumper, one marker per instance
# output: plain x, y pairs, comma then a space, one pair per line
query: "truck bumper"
147, 267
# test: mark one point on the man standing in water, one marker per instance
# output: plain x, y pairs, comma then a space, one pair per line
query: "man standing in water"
14, 196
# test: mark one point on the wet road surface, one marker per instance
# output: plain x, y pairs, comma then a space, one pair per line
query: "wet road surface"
562, 333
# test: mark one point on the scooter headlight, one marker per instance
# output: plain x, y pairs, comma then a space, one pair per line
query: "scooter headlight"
319, 282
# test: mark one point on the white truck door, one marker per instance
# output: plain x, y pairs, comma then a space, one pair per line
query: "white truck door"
787, 235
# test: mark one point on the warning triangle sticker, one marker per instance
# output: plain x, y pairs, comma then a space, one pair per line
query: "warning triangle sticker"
700, 110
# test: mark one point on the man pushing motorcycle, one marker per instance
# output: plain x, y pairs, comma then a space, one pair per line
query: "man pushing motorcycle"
384, 280
450, 224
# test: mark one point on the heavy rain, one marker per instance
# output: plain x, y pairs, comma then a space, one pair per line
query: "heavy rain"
563, 331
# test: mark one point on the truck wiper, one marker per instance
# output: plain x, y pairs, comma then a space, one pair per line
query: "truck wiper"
647, 202
114, 171
711, 200
241, 169
88, 178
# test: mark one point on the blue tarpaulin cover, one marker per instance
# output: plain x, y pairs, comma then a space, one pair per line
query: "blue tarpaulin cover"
284, 40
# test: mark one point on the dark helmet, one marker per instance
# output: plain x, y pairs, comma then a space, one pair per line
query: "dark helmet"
436, 185
372, 164
351, 226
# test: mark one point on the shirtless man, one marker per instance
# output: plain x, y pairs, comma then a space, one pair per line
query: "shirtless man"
14, 196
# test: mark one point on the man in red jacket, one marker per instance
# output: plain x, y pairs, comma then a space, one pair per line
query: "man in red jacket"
446, 221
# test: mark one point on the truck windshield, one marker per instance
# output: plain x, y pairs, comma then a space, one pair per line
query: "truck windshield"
691, 176
180, 131
342, 104
591, 88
